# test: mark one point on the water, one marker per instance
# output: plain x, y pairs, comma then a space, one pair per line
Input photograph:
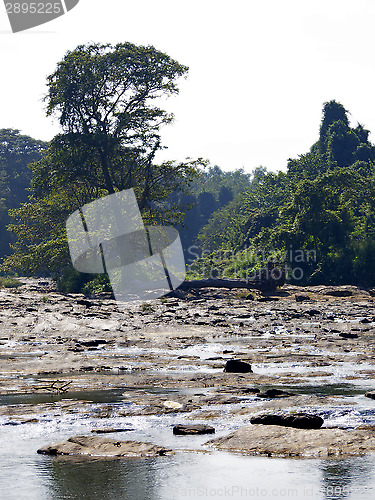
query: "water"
189, 475
199, 472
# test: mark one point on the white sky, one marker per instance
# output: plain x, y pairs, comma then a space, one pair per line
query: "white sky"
260, 71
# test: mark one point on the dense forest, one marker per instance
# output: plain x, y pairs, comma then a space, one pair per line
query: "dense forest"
317, 218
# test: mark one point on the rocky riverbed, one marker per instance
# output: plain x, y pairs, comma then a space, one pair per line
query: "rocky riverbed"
68, 355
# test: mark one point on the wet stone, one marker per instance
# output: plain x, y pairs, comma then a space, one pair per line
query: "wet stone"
94, 446
183, 430
299, 420
236, 366
274, 393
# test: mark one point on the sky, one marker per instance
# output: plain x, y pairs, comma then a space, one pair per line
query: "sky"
259, 72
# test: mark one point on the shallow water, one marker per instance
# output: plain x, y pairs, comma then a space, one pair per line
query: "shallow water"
199, 473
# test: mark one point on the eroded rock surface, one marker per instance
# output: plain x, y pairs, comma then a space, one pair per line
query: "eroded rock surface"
94, 446
275, 441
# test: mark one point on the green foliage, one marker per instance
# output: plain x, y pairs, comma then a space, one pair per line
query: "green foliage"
104, 98
99, 284
16, 152
210, 195
147, 308
9, 282
322, 207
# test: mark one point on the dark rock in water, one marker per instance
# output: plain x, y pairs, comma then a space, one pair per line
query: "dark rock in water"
92, 343
313, 312
274, 393
183, 430
268, 299
301, 298
299, 420
339, 292
366, 321
110, 430
237, 366
348, 335
94, 446
22, 422
249, 390
370, 395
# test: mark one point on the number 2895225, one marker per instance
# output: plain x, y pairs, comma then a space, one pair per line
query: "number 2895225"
34, 8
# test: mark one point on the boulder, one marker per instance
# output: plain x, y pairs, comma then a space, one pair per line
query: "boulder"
237, 366
274, 393
370, 395
345, 335
183, 430
94, 446
275, 441
339, 292
92, 343
301, 298
298, 420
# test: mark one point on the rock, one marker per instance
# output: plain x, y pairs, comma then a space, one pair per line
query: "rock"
94, 446
249, 390
339, 292
22, 422
301, 298
366, 321
274, 393
370, 395
313, 312
298, 420
275, 441
92, 343
110, 430
84, 302
345, 335
237, 366
183, 430
173, 405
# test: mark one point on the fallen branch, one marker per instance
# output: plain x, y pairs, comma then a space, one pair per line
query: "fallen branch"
57, 387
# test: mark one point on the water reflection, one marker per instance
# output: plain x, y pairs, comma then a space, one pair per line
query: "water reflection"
343, 478
101, 479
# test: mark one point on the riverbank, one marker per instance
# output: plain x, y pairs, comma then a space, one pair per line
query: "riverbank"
59, 354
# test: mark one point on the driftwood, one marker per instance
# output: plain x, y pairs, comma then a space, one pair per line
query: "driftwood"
57, 387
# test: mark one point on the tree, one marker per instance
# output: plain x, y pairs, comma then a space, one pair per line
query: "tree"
104, 98
16, 152
225, 196
319, 216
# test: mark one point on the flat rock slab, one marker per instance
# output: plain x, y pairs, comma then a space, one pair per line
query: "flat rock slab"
275, 441
94, 446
